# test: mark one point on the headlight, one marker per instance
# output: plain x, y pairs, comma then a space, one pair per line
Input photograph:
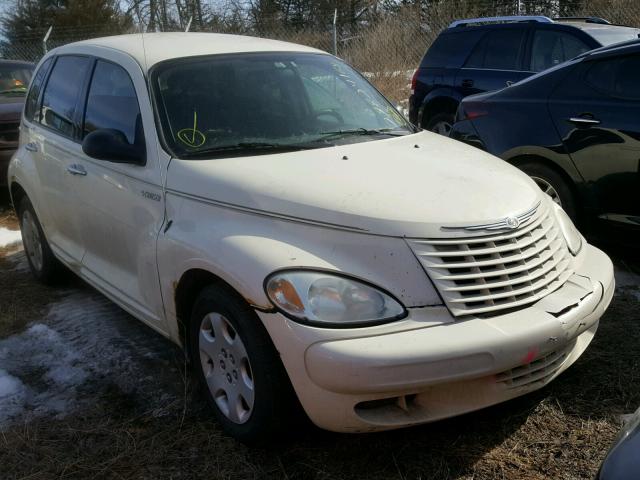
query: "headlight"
569, 231
325, 299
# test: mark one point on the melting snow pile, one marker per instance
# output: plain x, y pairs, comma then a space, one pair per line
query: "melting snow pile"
84, 345
9, 237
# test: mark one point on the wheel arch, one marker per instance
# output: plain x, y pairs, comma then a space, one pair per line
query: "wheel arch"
445, 100
531, 158
17, 193
186, 291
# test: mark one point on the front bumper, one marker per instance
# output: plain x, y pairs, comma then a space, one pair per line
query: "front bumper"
429, 367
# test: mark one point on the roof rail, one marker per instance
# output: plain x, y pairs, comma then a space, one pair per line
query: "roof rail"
599, 20
505, 19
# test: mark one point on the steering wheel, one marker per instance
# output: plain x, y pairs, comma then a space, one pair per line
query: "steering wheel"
329, 113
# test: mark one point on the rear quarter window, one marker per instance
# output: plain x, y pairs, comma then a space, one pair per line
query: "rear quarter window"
451, 49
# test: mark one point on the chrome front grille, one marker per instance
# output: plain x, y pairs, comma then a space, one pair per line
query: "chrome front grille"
488, 274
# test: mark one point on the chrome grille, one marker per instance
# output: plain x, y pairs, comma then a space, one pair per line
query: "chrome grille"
485, 275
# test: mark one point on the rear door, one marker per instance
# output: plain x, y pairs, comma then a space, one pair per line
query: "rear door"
597, 112
551, 46
495, 62
56, 137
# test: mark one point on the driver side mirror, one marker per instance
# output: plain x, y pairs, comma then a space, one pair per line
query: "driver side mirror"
112, 145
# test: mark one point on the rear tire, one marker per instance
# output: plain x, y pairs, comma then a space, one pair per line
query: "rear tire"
551, 183
42, 263
239, 369
441, 123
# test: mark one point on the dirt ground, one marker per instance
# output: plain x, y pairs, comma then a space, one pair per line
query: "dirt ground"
102, 396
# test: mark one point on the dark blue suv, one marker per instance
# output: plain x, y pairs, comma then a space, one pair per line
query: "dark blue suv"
484, 54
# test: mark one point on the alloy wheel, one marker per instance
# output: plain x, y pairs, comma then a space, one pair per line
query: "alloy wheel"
226, 367
547, 188
442, 128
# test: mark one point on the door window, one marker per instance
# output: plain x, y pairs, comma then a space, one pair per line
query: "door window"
498, 50
616, 77
62, 93
112, 102
31, 104
552, 48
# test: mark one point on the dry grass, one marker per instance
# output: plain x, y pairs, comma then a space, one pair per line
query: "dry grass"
561, 432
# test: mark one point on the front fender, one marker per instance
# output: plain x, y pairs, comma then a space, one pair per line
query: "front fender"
244, 248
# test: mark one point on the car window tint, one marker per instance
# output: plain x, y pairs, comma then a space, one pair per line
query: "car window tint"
498, 50
112, 102
31, 104
551, 48
62, 92
617, 77
451, 49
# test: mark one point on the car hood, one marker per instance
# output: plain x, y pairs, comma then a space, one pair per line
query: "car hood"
10, 108
407, 186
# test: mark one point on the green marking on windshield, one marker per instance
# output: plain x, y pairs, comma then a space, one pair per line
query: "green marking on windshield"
192, 137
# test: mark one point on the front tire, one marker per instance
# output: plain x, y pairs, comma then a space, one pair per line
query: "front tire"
239, 368
42, 263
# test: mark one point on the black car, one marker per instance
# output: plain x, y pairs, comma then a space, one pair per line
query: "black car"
484, 54
623, 460
14, 81
575, 129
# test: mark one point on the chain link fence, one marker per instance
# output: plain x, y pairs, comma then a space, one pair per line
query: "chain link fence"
386, 51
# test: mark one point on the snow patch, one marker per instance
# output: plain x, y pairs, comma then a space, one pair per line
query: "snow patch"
9, 238
83, 346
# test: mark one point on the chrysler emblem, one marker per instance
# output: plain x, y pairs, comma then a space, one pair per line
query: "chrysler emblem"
509, 223
512, 222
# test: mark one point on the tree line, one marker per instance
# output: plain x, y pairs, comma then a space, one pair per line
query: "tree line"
25, 18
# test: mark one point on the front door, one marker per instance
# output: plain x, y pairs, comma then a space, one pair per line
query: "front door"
123, 204
596, 111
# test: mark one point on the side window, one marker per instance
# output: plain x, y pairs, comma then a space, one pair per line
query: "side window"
552, 48
616, 77
112, 102
62, 93
498, 50
31, 103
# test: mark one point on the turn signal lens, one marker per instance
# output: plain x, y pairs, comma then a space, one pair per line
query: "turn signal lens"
325, 299
284, 294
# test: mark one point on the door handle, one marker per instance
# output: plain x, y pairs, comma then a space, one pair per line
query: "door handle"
584, 121
467, 83
76, 170
32, 147
509, 83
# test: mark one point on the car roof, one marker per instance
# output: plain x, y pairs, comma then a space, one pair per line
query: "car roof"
149, 49
631, 46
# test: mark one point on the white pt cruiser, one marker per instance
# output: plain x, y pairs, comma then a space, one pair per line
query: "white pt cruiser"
262, 205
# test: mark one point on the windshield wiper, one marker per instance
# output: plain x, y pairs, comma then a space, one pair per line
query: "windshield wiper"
364, 131
253, 146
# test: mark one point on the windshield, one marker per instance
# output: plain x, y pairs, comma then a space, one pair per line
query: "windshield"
265, 102
611, 35
14, 79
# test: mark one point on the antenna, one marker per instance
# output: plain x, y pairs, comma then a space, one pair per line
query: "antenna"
189, 24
